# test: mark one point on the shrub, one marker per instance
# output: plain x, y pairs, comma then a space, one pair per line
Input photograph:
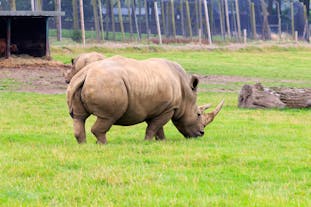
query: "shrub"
76, 35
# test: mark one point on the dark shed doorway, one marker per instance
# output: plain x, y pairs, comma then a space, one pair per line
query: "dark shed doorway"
25, 32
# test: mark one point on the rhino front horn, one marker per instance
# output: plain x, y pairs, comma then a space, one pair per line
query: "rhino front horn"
209, 117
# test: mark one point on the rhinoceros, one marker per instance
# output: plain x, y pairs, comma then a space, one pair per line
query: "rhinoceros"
124, 91
81, 61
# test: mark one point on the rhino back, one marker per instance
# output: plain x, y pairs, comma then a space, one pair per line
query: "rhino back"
131, 91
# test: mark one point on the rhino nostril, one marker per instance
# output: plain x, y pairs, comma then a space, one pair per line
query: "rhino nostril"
202, 133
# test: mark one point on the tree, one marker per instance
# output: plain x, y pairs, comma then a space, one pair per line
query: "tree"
82, 21
307, 4
13, 5
96, 19
75, 16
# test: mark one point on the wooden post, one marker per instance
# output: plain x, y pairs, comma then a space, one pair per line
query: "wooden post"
59, 21
296, 36
253, 22
227, 18
112, 20
208, 28
139, 14
221, 18
101, 19
173, 19
182, 17
234, 19
121, 20
130, 18
147, 18
189, 19
32, 5
135, 19
197, 23
306, 26
279, 20
107, 20
82, 22
163, 14
200, 17
167, 12
292, 19
47, 42
8, 38
245, 36
266, 32
158, 22
238, 18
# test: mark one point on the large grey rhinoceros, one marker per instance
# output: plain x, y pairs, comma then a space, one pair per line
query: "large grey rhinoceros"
123, 91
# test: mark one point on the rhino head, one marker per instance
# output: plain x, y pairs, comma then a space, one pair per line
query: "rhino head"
80, 62
194, 119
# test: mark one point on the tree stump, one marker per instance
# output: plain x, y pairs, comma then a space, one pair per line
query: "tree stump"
256, 96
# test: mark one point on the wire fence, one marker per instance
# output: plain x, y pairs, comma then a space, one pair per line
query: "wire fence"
192, 20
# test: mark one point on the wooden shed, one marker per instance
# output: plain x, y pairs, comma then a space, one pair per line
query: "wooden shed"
25, 32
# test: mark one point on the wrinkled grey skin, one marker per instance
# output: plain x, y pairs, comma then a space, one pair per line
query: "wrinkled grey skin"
123, 91
81, 61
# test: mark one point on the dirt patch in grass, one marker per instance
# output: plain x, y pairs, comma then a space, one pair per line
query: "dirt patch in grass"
223, 79
32, 75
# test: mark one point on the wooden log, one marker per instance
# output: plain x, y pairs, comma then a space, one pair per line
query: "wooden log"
256, 96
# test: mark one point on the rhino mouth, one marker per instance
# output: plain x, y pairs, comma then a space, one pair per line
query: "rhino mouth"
194, 134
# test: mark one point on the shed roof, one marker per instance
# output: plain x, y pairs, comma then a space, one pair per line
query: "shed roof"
31, 13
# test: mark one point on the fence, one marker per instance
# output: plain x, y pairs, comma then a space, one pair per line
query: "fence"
186, 20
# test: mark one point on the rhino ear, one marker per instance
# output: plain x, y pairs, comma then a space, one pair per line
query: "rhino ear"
194, 82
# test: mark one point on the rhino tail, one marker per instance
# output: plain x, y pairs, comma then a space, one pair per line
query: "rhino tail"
75, 84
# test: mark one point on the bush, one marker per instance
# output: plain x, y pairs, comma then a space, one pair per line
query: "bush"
76, 35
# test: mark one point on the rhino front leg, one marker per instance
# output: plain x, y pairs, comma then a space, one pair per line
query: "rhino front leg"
155, 126
79, 130
100, 128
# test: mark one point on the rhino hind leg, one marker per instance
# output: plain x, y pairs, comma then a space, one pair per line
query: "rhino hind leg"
100, 128
155, 126
160, 134
79, 130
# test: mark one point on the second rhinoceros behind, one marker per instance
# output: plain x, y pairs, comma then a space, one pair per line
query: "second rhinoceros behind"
123, 91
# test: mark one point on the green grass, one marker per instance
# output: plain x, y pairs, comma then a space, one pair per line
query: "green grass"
246, 157
270, 64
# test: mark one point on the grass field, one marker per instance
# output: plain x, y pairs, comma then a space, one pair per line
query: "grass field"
246, 157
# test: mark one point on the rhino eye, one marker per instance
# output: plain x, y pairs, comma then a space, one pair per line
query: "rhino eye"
199, 114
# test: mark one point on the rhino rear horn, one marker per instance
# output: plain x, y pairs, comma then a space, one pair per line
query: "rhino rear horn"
204, 107
209, 117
